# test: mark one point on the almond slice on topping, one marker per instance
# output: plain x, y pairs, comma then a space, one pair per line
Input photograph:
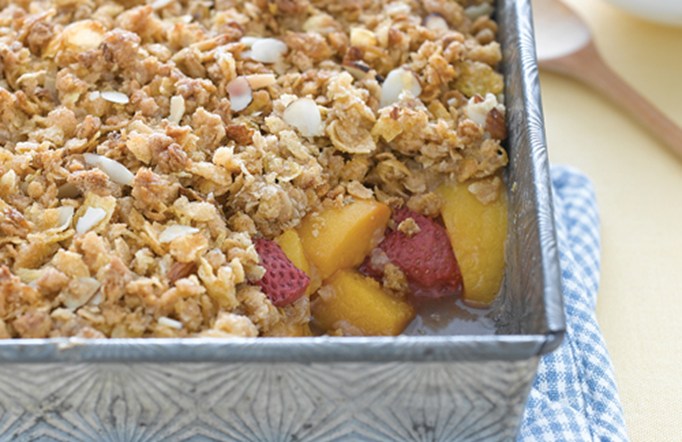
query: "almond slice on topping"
475, 11
398, 81
90, 219
160, 4
240, 93
116, 171
259, 81
177, 109
92, 159
65, 217
393, 9
80, 291
268, 50
436, 22
94, 95
171, 323
322, 24
362, 37
176, 231
97, 299
249, 40
305, 116
115, 97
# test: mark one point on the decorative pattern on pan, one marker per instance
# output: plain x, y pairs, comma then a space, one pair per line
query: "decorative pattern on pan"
263, 402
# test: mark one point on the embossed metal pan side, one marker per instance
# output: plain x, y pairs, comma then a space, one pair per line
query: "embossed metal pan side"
533, 260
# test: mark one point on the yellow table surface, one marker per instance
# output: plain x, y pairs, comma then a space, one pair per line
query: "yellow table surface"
639, 191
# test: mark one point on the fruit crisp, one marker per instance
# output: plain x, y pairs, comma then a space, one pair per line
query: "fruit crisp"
240, 168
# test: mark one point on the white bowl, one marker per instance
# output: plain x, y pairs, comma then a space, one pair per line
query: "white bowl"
664, 11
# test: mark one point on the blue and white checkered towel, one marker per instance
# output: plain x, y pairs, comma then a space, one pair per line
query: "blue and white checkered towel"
574, 397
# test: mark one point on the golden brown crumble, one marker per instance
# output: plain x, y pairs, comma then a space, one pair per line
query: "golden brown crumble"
395, 281
409, 227
144, 146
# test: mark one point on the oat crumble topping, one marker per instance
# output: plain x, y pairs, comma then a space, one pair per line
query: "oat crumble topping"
145, 146
409, 227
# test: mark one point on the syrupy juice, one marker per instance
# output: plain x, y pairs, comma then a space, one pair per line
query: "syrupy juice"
448, 317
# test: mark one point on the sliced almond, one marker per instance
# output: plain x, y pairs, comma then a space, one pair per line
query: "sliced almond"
248, 41
305, 116
397, 8
8, 181
171, 323
397, 82
80, 291
92, 159
160, 4
268, 50
240, 93
65, 217
177, 109
436, 23
97, 299
116, 171
176, 231
362, 37
92, 217
115, 97
322, 24
475, 11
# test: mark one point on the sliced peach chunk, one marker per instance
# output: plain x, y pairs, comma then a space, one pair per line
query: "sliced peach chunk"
341, 237
292, 246
355, 302
477, 233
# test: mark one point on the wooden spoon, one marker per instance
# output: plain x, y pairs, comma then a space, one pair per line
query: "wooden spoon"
565, 46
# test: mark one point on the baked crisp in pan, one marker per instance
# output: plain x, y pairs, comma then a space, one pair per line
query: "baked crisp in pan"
169, 169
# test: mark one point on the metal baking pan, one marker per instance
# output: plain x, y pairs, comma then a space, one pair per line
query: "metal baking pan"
463, 387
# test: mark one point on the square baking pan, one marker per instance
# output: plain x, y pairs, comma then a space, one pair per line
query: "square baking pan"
457, 387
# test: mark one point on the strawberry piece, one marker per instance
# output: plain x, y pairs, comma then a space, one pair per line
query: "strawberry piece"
282, 282
426, 258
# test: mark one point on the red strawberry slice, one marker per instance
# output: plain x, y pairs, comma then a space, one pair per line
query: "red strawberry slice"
426, 258
282, 282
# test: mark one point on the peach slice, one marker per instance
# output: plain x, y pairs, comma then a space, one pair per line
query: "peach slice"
477, 233
341, 237
291, 245
357, 304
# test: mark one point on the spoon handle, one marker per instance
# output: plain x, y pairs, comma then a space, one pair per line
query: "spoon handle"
588, 65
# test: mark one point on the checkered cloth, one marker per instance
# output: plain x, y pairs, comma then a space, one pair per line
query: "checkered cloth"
574, 397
